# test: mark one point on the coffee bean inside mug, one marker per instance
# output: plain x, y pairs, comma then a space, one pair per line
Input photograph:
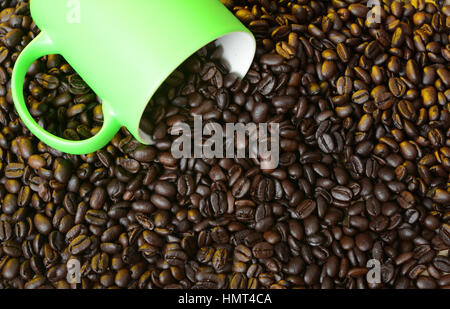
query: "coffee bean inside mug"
359, 199
185, 92
60, 101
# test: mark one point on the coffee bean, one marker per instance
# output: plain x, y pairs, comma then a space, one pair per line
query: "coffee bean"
5, 231
397, 87
328, 69
425, 283
144, 154
305, 208
358, 10
14, 170
343, 52
42, 224
287, 102
99, 263
262, 250
266, 85
285, 50
360, 96
165, 188
406, 109
185, 185
36, 161
12, 248
365, 123
271, 59
444, 233
326, 143
442, 263
219, 259
11, 269
160, 201
342, 193
3, 54
240, 188
122, 278
312, 274
344, 85
79, 244
47, 81
412, 71
260, 111
444, 75
406, 200
96, 217
62, 171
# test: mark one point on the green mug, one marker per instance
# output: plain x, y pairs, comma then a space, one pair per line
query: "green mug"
124, 50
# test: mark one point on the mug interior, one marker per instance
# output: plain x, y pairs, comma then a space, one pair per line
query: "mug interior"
238, 50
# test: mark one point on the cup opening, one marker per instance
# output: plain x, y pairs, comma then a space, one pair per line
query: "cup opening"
60, 101
238, 50
146, 138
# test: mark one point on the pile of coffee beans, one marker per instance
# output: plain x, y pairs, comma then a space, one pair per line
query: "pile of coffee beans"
363, 179
61, 102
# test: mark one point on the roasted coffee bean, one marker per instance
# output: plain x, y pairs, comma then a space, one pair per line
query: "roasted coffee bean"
326, 143
312, 274
444, 233
14, 170
305, 208
425, 283
343, 52
442, 263
47, 81
342, 193
240, 188
79, 244
360, 96
10, 269
42, 224
12, 248
397, 87
242, 253
262, 250
96, 217
344, 85
271, 59
406, 199
412, 71
99, 263
5, 231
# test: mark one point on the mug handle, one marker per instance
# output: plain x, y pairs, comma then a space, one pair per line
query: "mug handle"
42, 45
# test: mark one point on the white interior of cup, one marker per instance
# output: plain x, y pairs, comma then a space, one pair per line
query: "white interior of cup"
238, 50
146, 139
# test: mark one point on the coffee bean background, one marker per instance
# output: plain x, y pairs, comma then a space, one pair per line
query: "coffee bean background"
364, 168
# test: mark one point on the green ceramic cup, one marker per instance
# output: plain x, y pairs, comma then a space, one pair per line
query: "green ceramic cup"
124, 50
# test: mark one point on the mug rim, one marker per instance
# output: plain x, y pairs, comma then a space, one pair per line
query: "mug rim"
232, 54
